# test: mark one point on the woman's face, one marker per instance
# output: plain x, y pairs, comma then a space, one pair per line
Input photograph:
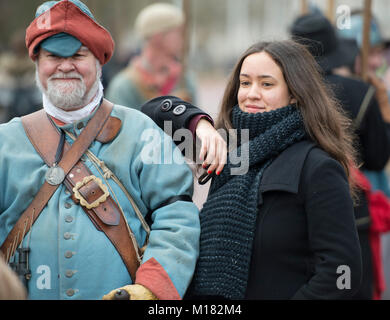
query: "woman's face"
262, 85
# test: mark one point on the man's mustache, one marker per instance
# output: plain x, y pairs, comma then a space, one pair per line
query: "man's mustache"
61, 75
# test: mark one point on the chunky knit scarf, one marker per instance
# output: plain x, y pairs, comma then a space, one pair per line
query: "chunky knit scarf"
228, 218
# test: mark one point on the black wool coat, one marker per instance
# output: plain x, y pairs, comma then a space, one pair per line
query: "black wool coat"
306, 244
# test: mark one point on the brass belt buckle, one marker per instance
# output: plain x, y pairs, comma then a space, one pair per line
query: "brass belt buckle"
82, 200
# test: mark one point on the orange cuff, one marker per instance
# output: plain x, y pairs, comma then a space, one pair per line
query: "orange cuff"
153, 276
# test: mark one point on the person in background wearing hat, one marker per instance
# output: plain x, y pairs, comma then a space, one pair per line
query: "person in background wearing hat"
379, 75
72, 254
158, 69
336, 56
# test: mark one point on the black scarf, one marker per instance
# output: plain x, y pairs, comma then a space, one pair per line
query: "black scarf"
228, 218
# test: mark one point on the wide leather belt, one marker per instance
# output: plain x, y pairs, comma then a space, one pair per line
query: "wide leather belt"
105, 214
90, 192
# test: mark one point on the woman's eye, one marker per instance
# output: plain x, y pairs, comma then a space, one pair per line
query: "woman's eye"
267, 84
244, 83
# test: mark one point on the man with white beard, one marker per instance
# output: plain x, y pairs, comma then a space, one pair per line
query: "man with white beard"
69, 95
75, 191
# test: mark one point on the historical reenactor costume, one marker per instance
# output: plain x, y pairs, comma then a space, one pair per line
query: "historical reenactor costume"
83, 190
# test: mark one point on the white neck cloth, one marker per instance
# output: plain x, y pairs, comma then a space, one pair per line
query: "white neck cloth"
72, 116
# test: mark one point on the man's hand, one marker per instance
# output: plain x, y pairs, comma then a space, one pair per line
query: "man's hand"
135, 291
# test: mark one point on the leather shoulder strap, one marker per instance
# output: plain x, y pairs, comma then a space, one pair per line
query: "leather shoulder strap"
106, 216
43, 135
36, 125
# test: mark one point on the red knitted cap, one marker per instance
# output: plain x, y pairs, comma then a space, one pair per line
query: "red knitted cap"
66, 17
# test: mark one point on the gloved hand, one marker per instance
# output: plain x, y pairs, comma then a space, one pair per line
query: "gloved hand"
135, 291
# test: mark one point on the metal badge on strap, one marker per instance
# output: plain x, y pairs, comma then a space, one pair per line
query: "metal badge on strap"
56, 175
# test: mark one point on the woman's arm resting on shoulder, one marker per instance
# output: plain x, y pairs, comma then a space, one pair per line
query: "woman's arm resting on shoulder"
181, 114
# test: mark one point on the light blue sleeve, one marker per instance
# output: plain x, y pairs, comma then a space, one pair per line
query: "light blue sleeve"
174, 237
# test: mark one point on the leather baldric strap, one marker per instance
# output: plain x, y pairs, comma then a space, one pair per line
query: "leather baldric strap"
86, 189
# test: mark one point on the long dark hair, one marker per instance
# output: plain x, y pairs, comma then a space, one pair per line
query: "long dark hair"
324, 119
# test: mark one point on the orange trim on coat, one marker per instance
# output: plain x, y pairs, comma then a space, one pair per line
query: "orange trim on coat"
153, 276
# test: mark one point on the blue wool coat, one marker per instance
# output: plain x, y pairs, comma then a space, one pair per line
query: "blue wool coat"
70, 258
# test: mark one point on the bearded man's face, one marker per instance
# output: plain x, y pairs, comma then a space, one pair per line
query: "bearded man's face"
69, 83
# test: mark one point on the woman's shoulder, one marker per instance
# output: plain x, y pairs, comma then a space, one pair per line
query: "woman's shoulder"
318, 157
319, 165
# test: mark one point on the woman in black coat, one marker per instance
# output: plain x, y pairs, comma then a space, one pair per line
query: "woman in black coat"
278, 222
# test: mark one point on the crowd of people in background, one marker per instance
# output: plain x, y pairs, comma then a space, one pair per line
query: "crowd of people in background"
319, 145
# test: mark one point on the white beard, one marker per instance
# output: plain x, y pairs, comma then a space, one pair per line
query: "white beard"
69, 95
66, 95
